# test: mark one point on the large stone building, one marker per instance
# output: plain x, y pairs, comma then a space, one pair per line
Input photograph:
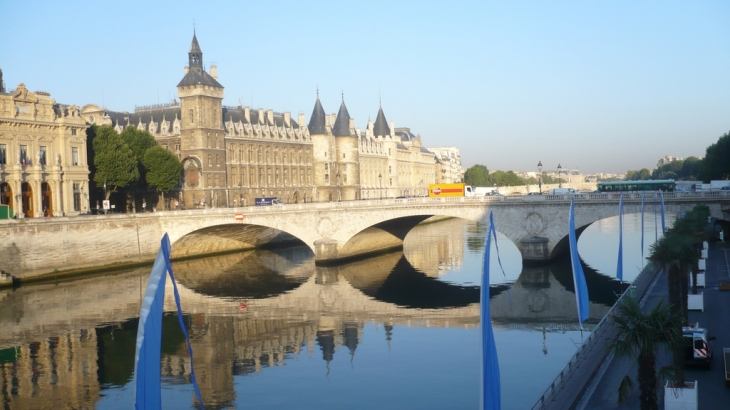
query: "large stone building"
43, 167
231, 155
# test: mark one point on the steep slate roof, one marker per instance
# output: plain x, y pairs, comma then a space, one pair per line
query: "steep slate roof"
317, 122
405, 136
238, 114
381, 128
342, 123
157, 115
196, 74
194, 46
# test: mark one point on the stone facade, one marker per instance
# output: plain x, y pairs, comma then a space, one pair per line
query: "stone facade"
43, 166
231, 155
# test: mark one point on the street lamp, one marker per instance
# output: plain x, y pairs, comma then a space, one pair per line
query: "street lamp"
380, 177
560, 181
539, 177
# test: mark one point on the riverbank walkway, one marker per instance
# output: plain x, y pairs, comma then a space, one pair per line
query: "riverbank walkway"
590, 380
602, 394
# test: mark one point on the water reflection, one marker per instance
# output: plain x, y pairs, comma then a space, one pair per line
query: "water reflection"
403, 324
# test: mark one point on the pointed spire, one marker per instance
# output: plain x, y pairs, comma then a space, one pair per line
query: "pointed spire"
381, 128
317, 121
342, 123
195, 55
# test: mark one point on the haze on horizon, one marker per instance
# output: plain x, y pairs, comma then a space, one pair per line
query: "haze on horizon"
604, 87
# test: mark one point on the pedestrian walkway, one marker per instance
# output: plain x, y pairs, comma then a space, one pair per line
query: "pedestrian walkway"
713, 395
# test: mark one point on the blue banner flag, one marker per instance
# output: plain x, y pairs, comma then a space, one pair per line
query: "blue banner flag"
620, 265
146, 382
643, 200
579, 280
661, 195
491, 394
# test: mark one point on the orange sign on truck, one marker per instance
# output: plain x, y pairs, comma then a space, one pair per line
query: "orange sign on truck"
442, 190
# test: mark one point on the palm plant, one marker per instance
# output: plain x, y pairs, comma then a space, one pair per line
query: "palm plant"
675, 252
640, 336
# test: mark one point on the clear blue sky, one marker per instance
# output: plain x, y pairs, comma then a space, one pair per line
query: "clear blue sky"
599, 86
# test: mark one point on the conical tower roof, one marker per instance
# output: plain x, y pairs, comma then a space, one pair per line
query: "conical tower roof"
342, 123
381, 128
194, 46
317, 122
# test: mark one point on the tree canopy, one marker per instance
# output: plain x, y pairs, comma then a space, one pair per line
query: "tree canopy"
115, 163
477, 175
163, 168
716, 164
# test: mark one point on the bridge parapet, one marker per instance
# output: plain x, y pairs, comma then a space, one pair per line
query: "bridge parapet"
537, 224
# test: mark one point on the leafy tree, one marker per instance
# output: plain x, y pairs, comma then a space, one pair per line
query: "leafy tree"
139, 142
716, 164
115, 163
675, 252
668, 171
163, 169
640, 336
477, 175
690, 169
640, 175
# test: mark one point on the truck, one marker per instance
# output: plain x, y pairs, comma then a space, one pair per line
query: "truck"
485, 191
698, 349
562, 191
268, 201
450, 190
719, 185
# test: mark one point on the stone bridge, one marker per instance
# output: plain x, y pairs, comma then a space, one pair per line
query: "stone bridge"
335, 231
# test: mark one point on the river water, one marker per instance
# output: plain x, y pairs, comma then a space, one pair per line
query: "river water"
271, 330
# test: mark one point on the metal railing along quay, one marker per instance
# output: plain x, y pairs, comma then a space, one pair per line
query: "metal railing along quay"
566, 390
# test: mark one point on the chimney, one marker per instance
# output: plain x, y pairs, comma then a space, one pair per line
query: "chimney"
301, 119
214, 72
186, 70
270, 117
247, 114
287, 119
392, 128
351, 125
261, 116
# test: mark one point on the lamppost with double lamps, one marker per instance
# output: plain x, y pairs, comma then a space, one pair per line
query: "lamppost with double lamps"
380, 177
560, 181
539, 177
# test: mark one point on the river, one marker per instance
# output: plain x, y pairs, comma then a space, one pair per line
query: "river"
271, 330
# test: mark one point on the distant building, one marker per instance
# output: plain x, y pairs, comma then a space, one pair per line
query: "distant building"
666, 160
448, 165
43, 168
231, 155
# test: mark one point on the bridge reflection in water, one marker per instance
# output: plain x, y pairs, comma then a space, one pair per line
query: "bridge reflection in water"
71, 345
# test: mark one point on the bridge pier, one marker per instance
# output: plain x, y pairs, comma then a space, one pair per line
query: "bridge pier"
534, 249
326, 249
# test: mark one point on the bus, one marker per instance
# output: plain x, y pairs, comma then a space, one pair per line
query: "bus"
665, 185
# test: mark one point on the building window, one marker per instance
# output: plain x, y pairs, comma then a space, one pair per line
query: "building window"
217, 160
209, 160
74, 156
77, 197
42, 156
3, 154
73, 131
23, 155
191, 115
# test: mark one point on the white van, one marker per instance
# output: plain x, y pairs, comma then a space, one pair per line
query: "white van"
562, 191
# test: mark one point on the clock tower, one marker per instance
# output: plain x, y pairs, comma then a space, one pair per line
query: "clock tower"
202, 144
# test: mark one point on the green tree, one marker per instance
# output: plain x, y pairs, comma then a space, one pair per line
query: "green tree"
139, 142
675, 252
690, 169
477, 175
640, 336
115, 163
163, 169
716, 164
668, 171
640, 175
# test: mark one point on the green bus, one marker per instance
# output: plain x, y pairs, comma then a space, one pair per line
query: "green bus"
665, 185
